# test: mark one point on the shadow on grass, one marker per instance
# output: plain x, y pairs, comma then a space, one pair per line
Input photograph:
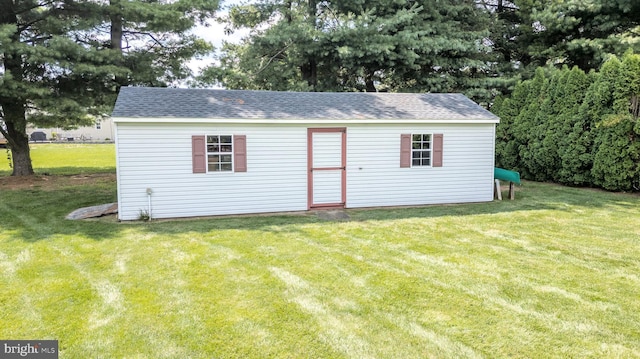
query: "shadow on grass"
65, 171
74, 170
38, 213
33, 215
529, 197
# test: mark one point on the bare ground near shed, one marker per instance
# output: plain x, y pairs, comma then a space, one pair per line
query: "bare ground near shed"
53, 182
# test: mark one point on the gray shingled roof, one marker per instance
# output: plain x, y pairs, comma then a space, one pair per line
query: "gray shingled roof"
147, 102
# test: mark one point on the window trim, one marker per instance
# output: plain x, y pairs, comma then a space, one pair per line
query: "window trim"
406, 150
220, 153
422, 150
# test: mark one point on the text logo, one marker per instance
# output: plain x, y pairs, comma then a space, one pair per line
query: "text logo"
29, 349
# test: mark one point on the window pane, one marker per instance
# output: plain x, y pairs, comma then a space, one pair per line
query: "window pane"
415, 162
220, 153
426, 138
426, 162
417, 154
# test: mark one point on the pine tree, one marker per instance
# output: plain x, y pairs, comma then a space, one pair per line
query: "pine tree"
508, 108
576, 143
48, 76
152, 39
382, 45
564, 137
525, 126
575, 128
60, 70
583, 33
617, 158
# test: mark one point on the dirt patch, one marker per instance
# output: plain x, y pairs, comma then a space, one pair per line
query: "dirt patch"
333, 215
53, 182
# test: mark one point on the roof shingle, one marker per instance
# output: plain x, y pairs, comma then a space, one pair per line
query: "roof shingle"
148, 102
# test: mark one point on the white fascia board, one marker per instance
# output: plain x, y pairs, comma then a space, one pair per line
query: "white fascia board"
300, 121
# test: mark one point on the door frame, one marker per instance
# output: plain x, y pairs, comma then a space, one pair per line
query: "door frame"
343, 167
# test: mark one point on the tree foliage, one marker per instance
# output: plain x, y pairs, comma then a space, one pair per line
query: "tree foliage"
382, 45
575, 128
527, 34
61, 63
583, 33
42, 65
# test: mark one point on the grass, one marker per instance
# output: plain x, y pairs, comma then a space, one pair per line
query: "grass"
67, 159
555, 273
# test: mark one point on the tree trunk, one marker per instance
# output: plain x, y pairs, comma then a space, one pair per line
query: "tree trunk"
17, 139
115, 16
369, 83
310, 69
21, 156
310, 72
289, 11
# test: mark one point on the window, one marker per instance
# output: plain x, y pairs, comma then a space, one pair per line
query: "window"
98, 125
219, 153
420, 150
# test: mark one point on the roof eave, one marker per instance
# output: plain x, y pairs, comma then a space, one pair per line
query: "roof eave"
302, 120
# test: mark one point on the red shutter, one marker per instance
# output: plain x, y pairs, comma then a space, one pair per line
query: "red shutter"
240, 153
199, 154
437, 150
405, 150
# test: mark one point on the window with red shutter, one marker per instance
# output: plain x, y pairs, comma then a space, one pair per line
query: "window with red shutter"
421, 150
219, 153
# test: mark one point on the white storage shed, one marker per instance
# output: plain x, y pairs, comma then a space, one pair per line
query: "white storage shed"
202, 152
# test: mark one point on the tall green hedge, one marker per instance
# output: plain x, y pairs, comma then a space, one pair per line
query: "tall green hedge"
574, 128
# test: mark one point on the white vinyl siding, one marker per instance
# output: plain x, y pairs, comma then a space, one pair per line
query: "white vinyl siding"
158, 156
327, 187
327, 150
466, 176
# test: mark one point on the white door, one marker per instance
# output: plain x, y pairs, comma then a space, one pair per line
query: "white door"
326, 164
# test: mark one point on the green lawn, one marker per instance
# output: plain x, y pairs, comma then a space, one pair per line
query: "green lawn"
555, 273
67, 158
